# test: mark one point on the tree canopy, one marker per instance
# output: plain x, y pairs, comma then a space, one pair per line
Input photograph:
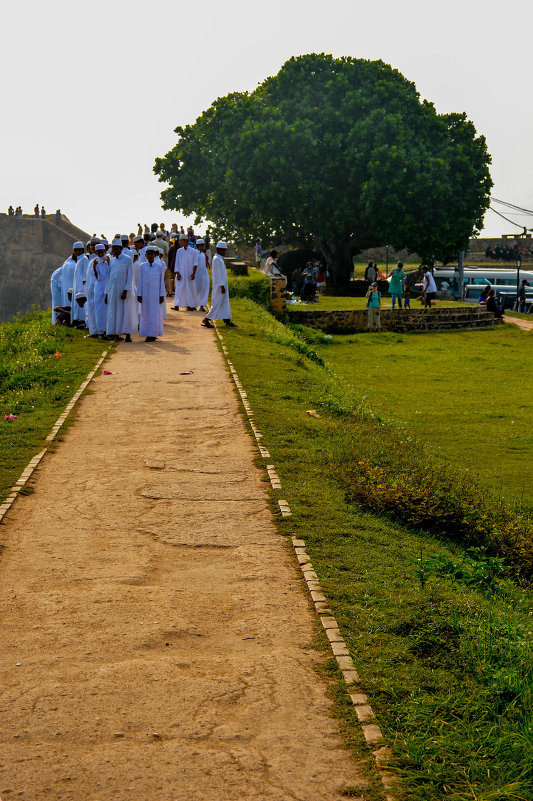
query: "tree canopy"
335, 154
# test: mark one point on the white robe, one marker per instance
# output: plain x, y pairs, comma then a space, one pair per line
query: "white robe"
162, 267
100, 308
151, 287
120, 278
55, 289
67, 280
90, 318
220, 309
201, 282
78, 285
184, 265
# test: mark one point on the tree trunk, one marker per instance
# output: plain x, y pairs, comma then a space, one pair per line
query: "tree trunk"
338, 256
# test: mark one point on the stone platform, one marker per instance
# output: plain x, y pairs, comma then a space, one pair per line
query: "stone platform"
437, 319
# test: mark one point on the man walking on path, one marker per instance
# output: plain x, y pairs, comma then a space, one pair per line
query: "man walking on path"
151, 296
119, 283
220, 308
184, 274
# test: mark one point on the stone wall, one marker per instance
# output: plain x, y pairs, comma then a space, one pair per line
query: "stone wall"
31, 248
354, 320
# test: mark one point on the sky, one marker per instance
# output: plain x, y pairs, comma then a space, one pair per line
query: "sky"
92, 92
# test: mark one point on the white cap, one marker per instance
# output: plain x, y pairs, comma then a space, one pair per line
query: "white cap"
222, 245
161, 251
151, 249
117, 242
78, 245
124, 237
80, 295
200, 242
99, 246
138, 239
183, 236
159, 232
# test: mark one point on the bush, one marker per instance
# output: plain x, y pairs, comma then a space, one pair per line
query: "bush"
255, 286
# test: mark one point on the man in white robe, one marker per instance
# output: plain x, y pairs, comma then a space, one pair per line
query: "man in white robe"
67, 279
100, 268
201, 282
184, 274
89, 287
220, 309
151, 295
131, 307
77, 314
119, 285
55, 290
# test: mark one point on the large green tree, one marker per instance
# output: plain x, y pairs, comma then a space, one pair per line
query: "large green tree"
335, 154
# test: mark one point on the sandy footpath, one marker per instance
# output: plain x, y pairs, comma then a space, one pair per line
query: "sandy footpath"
153, 625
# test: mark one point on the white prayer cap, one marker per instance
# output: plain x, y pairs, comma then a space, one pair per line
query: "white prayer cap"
138, 238
99, 247
80, 295
124, 237
200, 242
78, 245
88, 243
222, 245
159, 232
151, 249
161, 251
105, 242
117, 242
183, 236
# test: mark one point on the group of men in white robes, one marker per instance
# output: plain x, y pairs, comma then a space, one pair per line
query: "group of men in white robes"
116, 290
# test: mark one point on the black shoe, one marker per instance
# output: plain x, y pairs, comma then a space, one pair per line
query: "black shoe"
128, 338
175, 308
150, 339
207, 324
191, 308
119, 339
230, 324
202, 309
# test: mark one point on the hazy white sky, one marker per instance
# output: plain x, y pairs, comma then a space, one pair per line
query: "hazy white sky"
92, 91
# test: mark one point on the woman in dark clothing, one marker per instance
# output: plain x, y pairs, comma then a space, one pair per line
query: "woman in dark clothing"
493, 305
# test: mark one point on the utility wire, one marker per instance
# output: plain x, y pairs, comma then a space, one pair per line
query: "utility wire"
512, 206
505, 218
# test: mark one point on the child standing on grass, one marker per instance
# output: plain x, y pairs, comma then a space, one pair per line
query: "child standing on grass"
407, 298
373, 302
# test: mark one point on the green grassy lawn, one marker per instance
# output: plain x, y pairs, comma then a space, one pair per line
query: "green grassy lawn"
332, 303
35, 385
441, 640
468, 394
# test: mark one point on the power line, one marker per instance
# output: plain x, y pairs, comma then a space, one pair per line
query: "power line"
512, 206
505, 218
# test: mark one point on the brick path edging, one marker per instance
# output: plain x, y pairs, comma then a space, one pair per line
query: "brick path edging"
6, 505
371, 730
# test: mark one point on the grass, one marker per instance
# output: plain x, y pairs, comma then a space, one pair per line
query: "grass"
333, 303
468, 394
441, 637
35, 385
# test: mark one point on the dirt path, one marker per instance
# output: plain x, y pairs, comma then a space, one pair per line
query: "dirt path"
526, 325
153, 624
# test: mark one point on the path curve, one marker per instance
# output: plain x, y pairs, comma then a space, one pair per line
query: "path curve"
154, 627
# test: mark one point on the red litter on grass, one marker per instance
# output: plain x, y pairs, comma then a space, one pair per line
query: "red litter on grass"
11, 417
57, 354
107, 372
312, 413
187, 372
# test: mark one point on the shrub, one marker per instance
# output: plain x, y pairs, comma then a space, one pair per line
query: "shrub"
254, 286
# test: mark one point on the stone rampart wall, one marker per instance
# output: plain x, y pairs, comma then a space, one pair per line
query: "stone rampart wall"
394, 320
31, 248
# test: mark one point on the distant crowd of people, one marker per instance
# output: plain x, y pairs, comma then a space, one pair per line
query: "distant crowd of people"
118, 288
507, 253
37, 212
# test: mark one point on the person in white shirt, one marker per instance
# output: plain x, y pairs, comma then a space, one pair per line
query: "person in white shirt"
220, 309
430, 288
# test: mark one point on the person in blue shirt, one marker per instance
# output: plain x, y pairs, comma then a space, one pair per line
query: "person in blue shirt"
373, 302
